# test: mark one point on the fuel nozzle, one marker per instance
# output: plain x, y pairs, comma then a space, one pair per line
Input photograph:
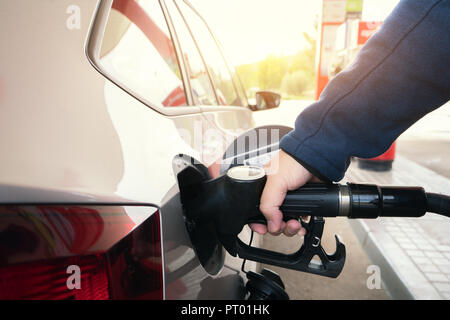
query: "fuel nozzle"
232, 200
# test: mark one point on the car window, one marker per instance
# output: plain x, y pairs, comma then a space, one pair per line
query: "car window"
220, 73
137, 50
202, 90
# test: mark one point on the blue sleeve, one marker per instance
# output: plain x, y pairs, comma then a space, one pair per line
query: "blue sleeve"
401, 74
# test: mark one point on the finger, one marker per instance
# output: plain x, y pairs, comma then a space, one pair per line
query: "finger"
280, 230
292, 228
302, 232
258, 228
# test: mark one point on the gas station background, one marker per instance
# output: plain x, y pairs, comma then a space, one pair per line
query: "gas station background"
287, 39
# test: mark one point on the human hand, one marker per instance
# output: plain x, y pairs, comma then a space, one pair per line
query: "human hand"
284, 173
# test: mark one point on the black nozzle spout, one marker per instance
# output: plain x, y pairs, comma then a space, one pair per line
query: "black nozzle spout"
361, 201
371, 201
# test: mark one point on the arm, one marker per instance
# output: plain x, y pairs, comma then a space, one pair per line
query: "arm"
401, 74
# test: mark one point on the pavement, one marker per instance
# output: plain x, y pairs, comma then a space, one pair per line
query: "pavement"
412, 256
433, 154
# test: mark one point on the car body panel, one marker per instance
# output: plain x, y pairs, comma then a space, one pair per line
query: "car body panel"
68, 135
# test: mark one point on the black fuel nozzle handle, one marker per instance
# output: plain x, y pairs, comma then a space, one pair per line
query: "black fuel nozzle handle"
312, 199
242, 187
355, 201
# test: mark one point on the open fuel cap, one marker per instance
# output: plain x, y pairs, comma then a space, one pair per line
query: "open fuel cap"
246, 173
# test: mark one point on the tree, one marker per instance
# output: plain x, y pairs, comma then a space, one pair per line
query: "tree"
270, 72
296, 83
290, 74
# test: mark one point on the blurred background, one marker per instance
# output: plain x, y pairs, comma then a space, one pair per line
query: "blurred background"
273, 44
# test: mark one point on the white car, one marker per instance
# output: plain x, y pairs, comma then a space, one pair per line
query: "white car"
97, 101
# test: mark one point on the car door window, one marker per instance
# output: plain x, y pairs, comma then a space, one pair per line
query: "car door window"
138, 52
220, 73
202, 90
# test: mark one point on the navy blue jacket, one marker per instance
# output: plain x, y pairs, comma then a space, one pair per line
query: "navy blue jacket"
401, 74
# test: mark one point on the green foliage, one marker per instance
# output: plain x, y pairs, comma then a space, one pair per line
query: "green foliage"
271, 71
296, 83
290, 75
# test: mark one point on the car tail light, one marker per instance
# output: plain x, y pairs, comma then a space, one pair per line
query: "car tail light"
38, 259
48, 280
136, 272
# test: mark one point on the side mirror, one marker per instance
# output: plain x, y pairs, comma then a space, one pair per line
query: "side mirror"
266, 100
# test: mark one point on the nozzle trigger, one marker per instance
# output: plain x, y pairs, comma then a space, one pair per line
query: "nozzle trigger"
302, 260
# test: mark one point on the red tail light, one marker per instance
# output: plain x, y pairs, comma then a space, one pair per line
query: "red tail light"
38, 259
48, 280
